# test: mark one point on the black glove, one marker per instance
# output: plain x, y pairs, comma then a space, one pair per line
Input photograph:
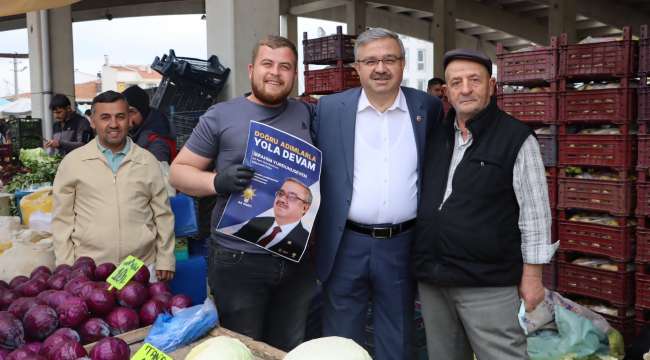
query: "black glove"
234, 178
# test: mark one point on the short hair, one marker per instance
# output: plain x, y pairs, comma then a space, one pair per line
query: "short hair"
375, 34
109, 96
435, 81
59, 101
275, 42
310, 197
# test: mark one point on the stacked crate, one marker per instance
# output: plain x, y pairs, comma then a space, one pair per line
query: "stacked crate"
643, 185
609, 193
335, 51
521, 76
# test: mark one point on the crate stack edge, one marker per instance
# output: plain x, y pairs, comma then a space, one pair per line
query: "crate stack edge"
596, 175
642, 259
337, 52
524, 71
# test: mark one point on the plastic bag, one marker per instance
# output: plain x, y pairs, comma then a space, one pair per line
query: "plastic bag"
40, 202
27, 250
168, 332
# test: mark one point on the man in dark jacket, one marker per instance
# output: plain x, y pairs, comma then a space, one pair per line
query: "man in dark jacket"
149, 127
71, 130
484, 222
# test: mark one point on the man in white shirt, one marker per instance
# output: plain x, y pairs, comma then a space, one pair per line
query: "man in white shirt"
372, 140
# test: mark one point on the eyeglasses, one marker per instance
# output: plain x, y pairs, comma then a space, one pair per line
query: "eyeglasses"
291, 197
388, 61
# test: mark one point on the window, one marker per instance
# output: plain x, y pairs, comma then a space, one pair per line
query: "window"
421, 85
421, 59
405, 82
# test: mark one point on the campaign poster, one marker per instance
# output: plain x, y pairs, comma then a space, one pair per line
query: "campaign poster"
277, 211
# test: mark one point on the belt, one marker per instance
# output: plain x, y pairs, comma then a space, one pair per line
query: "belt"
380, 231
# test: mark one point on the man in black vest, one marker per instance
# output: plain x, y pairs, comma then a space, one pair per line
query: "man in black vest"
484, 222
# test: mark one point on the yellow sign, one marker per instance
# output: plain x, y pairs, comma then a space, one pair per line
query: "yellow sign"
124, 272
149, 352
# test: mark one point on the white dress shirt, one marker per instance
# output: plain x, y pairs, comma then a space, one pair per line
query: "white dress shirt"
286, 229
384, 188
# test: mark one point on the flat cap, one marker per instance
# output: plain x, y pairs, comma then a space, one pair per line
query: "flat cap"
468, 54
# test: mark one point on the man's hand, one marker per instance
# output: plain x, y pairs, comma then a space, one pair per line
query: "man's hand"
531, 289
52, 143
164, 275
234, 178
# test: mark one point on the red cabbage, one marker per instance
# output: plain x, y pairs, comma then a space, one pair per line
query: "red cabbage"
31, 287
58, 337
17, 281
24, 354
93, 330
19, 307
100, 301
86, 288
12, 335
33, 346
73, 312
7, 297
165, 299
110, 349
74, 285
62, 267
133, 295
180, 301
42, 269
83, 259
103, 271
158, 288
4, 353
42, 297
86, 269
142, 276
150, 311
41, 276
4, 285
40, 321
56, 282
68, 350
122, 319
55, 299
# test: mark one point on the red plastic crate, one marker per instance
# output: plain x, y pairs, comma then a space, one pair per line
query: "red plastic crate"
528, 66
597, 60
597, 150
328, 49
549, 275
610, 105
616, 242
642, 196
551, 180
626, 326
616, 287
644, 50
643, 103
530, 107
612, 196
643, 290
330, 80
642, 244
643, 151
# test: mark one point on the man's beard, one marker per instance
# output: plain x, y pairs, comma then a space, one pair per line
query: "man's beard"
267, 98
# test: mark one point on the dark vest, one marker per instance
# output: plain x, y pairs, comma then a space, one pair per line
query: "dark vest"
474, 239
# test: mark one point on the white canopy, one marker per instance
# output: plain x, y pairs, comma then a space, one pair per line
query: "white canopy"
22, 106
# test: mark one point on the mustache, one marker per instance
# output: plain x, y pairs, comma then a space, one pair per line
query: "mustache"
380, 76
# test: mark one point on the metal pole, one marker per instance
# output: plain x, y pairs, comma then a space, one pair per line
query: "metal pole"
15, 77
47, 79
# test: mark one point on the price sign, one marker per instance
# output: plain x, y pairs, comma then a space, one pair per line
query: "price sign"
124, 272
149, 352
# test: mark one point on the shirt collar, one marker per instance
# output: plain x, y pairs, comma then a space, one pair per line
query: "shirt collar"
286, 228
399, 103
124, 151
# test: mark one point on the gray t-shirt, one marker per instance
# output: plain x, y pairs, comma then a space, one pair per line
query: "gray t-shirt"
221, 134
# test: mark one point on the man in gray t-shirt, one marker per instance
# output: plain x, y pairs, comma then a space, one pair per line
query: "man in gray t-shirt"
257, 294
